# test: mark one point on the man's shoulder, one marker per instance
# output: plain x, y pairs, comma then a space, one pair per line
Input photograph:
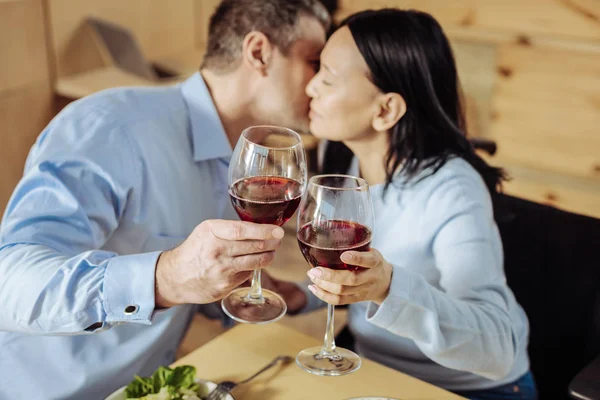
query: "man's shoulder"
110, 119
126, 106
124, 110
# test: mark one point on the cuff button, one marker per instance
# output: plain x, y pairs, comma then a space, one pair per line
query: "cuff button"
131, 309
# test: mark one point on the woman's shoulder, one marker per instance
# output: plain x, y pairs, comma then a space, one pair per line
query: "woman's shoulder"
455, 170
458, 169
455, 182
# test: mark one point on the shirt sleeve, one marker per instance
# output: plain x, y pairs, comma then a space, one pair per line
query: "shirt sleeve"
54, 277
465, 324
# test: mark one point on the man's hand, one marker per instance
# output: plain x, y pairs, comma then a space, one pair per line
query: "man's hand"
217, 257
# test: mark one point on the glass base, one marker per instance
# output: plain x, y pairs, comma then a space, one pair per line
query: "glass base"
317, 362
242, 308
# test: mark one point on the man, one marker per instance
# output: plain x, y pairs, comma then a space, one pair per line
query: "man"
88, 287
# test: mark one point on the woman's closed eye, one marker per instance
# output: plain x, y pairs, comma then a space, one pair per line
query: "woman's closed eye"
325, 79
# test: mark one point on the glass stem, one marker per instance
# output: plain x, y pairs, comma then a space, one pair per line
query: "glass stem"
329, 343
256, 289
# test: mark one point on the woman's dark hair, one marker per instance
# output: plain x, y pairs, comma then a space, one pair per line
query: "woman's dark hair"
408, 53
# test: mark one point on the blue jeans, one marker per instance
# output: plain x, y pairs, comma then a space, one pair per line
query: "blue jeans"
521, 389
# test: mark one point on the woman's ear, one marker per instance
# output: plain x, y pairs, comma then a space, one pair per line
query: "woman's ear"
257, 51
390, 107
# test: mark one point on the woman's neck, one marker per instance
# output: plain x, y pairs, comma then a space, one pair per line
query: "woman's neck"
371, 154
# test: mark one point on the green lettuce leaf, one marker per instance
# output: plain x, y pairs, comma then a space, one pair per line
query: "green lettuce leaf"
164, 380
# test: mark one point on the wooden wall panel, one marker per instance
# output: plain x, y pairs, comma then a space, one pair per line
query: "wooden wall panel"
23, 115
572, 194
26, 100
575, 19
161, 27
547, 110
22, 44
476, 64
203, 9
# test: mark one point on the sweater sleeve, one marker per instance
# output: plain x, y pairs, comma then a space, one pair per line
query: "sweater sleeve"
464, 323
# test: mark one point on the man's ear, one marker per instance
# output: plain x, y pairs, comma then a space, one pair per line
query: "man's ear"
390, 107
257, 51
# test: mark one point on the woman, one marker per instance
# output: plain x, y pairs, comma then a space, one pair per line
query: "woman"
432, 300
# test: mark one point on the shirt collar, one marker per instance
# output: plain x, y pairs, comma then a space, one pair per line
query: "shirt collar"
209, 140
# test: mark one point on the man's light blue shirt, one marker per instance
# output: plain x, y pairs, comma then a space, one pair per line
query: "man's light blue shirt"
113, 180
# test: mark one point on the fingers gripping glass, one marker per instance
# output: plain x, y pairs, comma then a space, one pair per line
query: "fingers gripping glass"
335, 215
267, 176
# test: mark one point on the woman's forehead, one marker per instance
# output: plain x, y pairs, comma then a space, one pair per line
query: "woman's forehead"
341, 53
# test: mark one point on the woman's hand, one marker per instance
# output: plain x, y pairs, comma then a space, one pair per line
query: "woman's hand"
339, 287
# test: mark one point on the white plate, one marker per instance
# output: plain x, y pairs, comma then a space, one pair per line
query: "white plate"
205, 388
372, 398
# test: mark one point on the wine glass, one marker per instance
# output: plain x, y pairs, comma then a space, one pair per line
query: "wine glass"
267, 176
335, 215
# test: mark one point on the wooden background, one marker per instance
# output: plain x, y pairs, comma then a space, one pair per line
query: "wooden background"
530, 69
538, 93
26, 100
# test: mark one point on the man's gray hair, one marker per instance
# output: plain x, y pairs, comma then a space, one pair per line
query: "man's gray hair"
277, 19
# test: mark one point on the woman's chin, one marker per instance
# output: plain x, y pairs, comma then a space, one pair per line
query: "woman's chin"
316, 128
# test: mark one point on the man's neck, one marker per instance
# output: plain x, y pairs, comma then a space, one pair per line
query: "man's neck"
229, 94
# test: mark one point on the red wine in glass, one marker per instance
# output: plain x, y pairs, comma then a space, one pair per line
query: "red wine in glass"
322, 244
335, 215
266, 179
266, 199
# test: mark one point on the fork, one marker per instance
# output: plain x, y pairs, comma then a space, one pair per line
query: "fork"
223, 388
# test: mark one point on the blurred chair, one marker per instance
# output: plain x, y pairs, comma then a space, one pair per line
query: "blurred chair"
114, 58
123, 48
552, 266
487, 145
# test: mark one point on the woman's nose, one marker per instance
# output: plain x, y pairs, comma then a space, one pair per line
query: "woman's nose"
311, 88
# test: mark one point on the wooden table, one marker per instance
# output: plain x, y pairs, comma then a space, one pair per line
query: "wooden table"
244, 349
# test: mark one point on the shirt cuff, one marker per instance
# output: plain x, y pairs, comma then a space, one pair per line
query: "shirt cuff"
129, 288
386, 314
